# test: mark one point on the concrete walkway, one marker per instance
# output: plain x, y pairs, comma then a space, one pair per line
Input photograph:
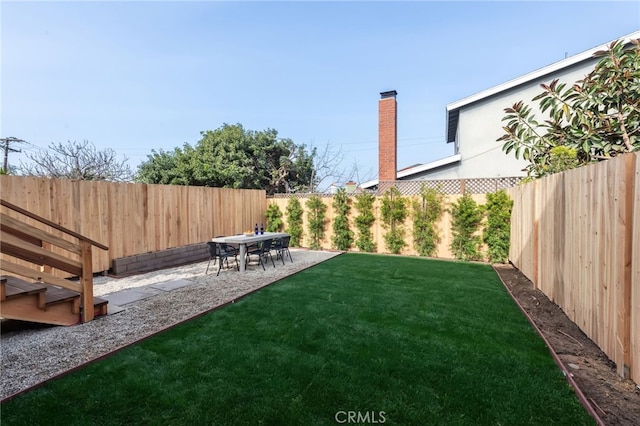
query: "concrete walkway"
119, 299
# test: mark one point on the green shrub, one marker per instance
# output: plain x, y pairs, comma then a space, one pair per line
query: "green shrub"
342, 234
561, 158
364, 220
497, 231
315, 215
466, 216
294, 221
394, 213
274, 218
427, 211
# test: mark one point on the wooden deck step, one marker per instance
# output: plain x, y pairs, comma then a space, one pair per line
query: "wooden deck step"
16, 287
37, 302
58, 295
100, 307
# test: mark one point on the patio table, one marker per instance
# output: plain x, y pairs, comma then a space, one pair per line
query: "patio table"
242, 241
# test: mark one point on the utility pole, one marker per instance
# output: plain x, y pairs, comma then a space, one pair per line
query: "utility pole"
6, 142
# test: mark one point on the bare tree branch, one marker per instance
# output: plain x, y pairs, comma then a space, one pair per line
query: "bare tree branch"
327, 162
360, 177
79, 161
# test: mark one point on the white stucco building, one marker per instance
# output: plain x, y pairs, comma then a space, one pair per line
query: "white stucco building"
474, 124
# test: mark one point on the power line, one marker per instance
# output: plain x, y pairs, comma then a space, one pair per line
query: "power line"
7, 149
435, 139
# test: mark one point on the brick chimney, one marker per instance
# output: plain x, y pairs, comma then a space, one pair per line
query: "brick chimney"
387, 136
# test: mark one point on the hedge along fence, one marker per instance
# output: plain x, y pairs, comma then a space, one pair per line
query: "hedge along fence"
576, 235
443, 251
136, 218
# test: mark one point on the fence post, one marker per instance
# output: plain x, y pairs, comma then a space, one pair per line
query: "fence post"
536, 235
624, 296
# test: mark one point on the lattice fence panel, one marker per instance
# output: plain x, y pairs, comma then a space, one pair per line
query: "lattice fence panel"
483, 186
413, 187
445, 186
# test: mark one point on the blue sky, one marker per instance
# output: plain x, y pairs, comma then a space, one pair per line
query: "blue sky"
137, 76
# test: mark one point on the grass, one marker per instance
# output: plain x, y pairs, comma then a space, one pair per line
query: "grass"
402, 341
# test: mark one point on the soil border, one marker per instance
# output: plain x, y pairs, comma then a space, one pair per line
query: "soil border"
581, 396
607, 397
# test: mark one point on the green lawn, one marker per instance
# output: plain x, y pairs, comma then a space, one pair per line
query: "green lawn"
401, 341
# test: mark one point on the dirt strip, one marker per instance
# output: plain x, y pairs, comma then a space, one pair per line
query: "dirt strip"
612, 399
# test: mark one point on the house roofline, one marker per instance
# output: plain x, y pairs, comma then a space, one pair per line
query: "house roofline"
565, 63
409, 171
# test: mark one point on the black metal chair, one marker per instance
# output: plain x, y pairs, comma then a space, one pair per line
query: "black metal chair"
221, 252
215, 258
263, 251
230, 247
281, 246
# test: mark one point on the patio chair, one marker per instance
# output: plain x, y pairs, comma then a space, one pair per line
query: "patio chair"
221, 252
263, 251
229, 247
215, 258
281, 246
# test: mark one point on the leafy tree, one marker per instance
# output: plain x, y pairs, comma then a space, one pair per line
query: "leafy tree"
497, 231
166, 168
342, 234
274, 218
78, 160
294, 221
394, 212
233, 157
597, 117
364, 220
466, 216
316, 215
427, 211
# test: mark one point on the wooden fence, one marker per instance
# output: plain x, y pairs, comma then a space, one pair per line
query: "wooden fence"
576, 235
443, 250
136, 218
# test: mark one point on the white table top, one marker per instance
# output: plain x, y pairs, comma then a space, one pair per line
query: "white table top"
244, 239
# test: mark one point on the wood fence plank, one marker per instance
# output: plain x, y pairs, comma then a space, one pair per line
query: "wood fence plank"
634, 327
589, 250
623, 302
135, 218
